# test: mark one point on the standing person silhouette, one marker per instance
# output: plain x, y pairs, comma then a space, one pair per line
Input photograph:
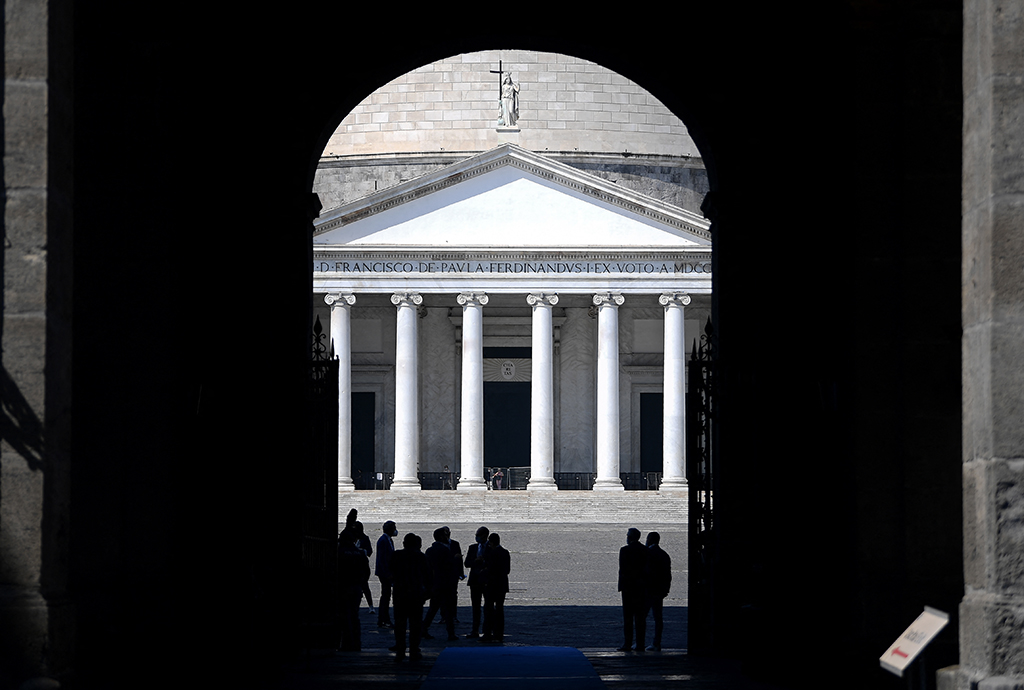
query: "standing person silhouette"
382, 569
475, 563
659, 582
353, 571
456, 549
497, 564
444, 582
633, 572
411, 583
364, 544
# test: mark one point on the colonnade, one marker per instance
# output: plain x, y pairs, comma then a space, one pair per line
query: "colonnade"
542, 403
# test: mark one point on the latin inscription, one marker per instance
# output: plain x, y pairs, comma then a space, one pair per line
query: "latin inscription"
514, 267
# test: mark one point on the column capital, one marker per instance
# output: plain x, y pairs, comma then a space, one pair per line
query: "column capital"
548, 299
676, 299
610, 299
340, 299
408, 299
478, 298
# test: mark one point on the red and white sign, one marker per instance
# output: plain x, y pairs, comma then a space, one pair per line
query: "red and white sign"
914, 639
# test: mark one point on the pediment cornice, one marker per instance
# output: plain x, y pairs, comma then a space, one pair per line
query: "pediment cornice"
532, 163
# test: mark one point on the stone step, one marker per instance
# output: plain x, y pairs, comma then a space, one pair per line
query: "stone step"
597, 507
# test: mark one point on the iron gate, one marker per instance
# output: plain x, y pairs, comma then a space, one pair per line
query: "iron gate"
700, 435
320, 496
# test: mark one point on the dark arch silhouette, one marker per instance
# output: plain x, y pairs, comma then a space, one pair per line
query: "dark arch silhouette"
832, 141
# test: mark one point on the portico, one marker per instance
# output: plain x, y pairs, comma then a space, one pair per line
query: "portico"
509, 267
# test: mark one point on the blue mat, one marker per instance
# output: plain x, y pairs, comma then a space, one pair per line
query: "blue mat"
501, 668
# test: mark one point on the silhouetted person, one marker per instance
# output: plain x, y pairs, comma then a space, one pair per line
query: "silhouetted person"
382, 569
367, 547
633, 572
475, 562
410, 578
456, 549
658, 584
444, 582
353, 571
497, 564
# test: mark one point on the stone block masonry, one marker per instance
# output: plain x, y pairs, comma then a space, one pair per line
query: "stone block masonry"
566, 104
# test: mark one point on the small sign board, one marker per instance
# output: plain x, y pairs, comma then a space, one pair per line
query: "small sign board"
907, 646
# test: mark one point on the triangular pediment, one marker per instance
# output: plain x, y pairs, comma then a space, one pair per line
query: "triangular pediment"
509, 197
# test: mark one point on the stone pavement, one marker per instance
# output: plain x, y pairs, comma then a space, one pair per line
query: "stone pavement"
563, 594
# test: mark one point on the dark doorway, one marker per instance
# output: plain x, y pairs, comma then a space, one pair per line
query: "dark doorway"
507, 423
363, 448
651, 424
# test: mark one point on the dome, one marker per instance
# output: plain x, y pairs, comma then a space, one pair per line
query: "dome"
565, 105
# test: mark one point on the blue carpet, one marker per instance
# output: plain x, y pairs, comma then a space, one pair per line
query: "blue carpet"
505, 668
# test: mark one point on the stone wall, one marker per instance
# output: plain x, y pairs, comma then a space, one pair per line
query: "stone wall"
565, 104
682, 182
577, 112
36, 636
992, 611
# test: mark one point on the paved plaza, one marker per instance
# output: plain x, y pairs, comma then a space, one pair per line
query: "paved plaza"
559, 575
563, 594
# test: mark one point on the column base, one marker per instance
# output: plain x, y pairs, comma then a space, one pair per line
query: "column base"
541, 484
466, 484
346, 484
609, 485
674, 484
405, 484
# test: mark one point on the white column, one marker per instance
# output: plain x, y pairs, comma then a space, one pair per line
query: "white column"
674, 428
472, 391
407, 410
608, 391
341, 344
542, 398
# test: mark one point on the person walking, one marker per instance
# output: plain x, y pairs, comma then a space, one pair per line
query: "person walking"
497, 565
382, 569
659, 582
475, 562
633, 572
410, 584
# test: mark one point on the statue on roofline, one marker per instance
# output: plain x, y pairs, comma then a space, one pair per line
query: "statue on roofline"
508, 104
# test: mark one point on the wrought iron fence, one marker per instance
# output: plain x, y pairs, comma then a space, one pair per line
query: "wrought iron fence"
318, 543
640, 481
438, 481
575, 481
700, 471
377, 481
504, 478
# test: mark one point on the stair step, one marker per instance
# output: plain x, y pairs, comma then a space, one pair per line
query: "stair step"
597, 507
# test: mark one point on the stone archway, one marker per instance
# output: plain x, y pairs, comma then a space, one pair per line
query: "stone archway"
850, 129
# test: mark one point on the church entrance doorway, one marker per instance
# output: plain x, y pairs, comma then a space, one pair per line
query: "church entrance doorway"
507, 407
507, 424
363, 442
651, 425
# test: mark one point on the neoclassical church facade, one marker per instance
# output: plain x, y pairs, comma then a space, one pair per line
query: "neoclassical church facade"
512, 308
